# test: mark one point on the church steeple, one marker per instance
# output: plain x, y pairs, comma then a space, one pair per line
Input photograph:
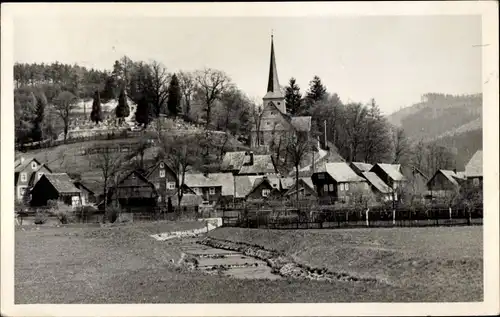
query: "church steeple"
274, 92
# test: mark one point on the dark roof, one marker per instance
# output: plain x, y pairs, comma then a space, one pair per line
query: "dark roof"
362, 167
152, 168
233, 160
62, 182
80, 185
301, 123
376, 182
474, 167
273, 84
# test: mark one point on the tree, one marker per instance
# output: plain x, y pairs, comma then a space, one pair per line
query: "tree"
64, 104
211, 84
187, 86
401, 145
24, 108
293, 97
158, 89
41, 104
109, 163
182, 152
257, 113
354, 128
174, 96
96, 113
297, 149
122, 110
377, 145
316, 92
110, 88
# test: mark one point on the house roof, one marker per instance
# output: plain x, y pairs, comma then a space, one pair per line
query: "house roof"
393, 170
19, 167
243, 185
224, 180
287, 182
151, 169
363, 167
233, 160
301, 123
411, 170
80, 184
303, 183
62, 182
200, 180
376, 182
188, 200
474, 167
342, 172
258, 182
261, 164
451, 176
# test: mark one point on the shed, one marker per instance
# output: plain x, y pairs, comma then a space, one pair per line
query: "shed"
57, 186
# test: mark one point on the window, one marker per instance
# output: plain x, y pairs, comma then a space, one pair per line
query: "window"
346, 186
342, 187
321, 176
475, 181
268, 123
162, 173
171, 185
325, 188
265, 192
75, 201
331, 188
23, 177
33, 165
40, 175
22, 192
211, 191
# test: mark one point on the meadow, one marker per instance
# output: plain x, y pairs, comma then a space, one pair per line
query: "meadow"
123, 264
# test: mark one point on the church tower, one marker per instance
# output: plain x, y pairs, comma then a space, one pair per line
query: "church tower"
274, 93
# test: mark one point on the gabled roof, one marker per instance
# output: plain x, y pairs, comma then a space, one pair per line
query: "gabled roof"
19, 167
200, 180
151, 169
137, 174
244, 185
301, 123
258, 182
341, 172
451, 176
393, 170
273, 180
376, 182
261, 164
362, 167
304, 182
287, 182
62, 183
233, 160
224, 180
474, 167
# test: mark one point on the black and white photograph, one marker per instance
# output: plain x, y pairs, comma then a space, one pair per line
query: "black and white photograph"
205, 153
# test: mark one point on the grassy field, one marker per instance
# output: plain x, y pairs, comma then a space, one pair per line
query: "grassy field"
125, 265
441, 262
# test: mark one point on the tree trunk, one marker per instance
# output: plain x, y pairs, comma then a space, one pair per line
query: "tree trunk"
105, 198
297, 184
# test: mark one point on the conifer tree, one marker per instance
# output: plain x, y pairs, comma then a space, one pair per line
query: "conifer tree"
122, 110
41, 103
174, 96
316, 92
292, 97
96, 114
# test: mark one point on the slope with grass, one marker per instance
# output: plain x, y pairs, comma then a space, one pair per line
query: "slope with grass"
441, 263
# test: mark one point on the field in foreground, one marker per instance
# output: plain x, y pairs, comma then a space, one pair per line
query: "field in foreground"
439, 262
125, 265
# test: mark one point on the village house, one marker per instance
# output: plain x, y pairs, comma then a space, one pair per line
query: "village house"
338, 182
26, 175
134, 192
416, 182
164, 180
445, 183
274, 121
306, 189
87, 194
359, 168
262, 189
55, 186
391, 175
248, 163
474, 170
381, 192
255, 187
212, 187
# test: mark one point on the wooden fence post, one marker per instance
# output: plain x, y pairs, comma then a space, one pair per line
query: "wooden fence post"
394, 217
367, 221
449, 209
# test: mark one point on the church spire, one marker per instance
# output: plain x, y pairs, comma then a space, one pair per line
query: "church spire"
273, 85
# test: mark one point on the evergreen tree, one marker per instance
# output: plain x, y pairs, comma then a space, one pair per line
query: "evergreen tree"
292, 97
41, 103
316, 92
122, 110
109, 91
143, 112
174, 96
96, 114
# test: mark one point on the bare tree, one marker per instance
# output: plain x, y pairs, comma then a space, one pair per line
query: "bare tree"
109, 162
257, 113
187, 85
211, 84
182, 152
64, 105
297, 149
401, 145
159, 87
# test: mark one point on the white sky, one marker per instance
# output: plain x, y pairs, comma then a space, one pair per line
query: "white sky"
394, 59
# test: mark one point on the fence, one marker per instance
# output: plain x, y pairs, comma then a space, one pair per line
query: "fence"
293, 218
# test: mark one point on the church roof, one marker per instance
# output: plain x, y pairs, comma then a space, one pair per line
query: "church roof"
273, 84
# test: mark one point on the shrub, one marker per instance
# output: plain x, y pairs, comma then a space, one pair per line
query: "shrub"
113, 212
40, 218
62, 211
83, 213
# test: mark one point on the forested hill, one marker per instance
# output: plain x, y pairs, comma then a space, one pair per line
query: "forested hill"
451, 120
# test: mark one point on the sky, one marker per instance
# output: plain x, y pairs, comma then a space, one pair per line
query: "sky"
394, 59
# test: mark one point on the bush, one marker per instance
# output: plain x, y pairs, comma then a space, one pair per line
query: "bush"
40, 218
62, 211
84, 213
113, 212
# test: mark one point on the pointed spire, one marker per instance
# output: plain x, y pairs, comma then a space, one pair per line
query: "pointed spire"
273, 84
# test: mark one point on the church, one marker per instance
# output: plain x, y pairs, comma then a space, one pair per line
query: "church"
274, 121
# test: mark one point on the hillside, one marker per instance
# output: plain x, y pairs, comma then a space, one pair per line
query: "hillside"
453, 121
